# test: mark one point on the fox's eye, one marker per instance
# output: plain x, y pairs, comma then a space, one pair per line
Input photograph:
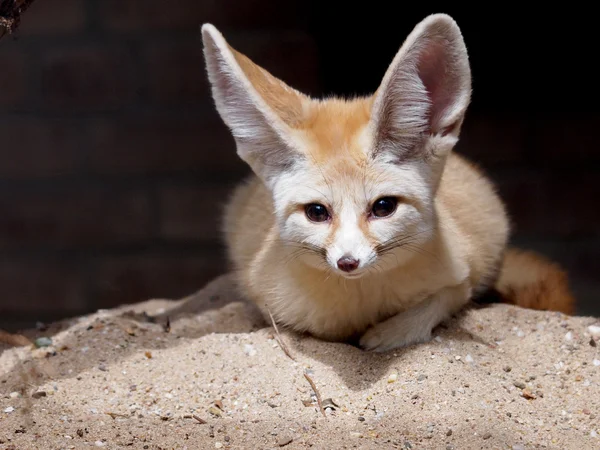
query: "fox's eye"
316, 212
383, 207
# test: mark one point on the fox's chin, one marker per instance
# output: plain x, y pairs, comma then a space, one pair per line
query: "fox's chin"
352, 275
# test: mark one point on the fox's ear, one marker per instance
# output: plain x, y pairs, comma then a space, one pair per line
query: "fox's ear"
422, 100
258, 108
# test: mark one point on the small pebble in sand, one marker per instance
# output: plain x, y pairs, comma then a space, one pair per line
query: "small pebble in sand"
215, 411
507, 369
102, 367
449, 432
14, 394
99, 444
469, 359
596, 362
519, 384
9, 410
422, 377
593, 342
361, 419
38, 394
249, 350
594, 330
528, 394
393, 377
43, 342
569, 336
284, 440
218, 445
486, 436
593, 434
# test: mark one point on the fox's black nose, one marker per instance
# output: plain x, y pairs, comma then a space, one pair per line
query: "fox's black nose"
347, 263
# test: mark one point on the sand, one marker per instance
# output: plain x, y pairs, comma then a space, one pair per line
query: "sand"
214, 376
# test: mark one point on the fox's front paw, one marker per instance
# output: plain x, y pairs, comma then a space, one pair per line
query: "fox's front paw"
394, 333
416, 324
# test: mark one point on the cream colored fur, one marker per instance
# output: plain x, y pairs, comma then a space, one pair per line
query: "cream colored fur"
449, 229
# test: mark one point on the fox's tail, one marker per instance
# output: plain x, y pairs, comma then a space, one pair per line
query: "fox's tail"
529, 280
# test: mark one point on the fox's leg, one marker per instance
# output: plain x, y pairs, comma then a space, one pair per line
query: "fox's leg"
415, 325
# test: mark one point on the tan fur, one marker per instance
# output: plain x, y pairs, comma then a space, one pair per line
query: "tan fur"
345, 154
330, 128
286, 102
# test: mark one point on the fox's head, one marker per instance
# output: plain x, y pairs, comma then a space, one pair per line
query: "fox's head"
352, 180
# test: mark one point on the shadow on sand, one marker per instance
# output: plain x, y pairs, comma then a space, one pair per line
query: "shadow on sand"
98, 341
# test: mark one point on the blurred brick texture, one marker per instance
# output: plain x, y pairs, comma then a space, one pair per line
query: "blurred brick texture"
115, 166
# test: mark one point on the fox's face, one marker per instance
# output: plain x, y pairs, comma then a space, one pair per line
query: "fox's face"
349, 212
353, 219
353, 181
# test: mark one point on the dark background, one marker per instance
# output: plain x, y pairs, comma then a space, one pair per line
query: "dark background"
114, 165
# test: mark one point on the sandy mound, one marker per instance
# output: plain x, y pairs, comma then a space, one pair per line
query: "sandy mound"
215, 377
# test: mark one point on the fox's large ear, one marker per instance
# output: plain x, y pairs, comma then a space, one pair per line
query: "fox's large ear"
422, 100
258, 108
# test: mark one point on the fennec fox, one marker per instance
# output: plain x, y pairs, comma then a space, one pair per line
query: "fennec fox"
359, 220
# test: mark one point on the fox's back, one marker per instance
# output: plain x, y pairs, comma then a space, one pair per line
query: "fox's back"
470, 198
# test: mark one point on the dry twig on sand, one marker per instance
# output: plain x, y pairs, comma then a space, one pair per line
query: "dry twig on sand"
287, 352
279, 339
314, 388
200, 420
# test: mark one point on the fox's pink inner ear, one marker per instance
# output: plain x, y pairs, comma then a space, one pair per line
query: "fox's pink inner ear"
426, 89
447, 82
432, 66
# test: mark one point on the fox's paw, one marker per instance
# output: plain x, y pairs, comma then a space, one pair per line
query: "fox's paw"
394, 333
415, 325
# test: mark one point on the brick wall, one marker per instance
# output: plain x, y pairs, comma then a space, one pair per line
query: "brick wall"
114, 165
